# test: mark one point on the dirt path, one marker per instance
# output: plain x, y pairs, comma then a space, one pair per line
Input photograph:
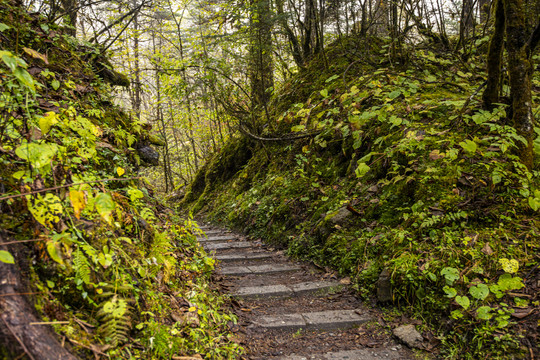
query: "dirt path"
293, 311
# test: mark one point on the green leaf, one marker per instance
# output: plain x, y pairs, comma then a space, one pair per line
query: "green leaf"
450, 274
469, 146
55, 84
25, 78
463, 301
6, 257
479, 292
298, 128
483, 312
394, 94
105, 206
4, 27
324, 93
39, 155
534, 203
361, 170
508, 283
10, 60
450, 292
331, 78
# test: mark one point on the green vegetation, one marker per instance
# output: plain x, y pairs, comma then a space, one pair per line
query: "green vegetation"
114, 270
404, 171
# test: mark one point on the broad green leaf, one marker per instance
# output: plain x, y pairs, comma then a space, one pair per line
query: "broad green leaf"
450, 292
479, 292
10, 60
508, 283
463, 301
298, 128
324, 93
483, 312
78, 201
6, 257
450, 274
394, 94
39, 155
25, 78
331, 78
361, 170
105, 206
534, 203
135, 194
469, 146
496, 177
55, 84
3, 27
510, 266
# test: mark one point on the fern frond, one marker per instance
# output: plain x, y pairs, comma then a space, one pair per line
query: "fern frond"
115, 321
81, 266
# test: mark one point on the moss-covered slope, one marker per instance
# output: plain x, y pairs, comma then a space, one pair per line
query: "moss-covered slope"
111, 269
408, 174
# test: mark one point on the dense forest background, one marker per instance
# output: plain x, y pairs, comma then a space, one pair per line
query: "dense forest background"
369, 137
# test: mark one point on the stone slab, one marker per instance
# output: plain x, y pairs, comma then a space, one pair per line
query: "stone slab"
226, 246
272, 268
360, 354
246, 256
235, 270
335, 319
216, 238
216, 232
315, 286
257, 292
282, 322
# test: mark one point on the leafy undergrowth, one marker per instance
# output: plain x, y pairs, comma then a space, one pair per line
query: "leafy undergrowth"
114, 271
407, 174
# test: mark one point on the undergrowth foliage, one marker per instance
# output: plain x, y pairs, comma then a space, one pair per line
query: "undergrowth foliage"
409, 174
116, 272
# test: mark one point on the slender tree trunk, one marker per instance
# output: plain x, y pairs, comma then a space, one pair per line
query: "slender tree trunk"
261, 71
494, 60
520, 71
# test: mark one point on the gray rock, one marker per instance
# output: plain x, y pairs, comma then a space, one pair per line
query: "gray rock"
340, 216
409, 335
384, 287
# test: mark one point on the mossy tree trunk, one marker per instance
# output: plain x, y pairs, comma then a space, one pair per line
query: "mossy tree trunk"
261, 69
520, 72
494, 61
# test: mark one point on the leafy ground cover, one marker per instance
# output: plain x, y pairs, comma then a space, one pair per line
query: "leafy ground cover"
406, 174
112, 269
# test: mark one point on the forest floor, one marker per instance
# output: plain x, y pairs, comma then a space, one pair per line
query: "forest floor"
294, 310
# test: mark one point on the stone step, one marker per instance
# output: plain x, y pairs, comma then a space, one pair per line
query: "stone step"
245, 256
217, 238
359, 354
209, 246
216, 232
323, 320
258, 269
254, 292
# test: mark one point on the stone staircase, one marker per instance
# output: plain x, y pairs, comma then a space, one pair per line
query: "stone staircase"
293, 311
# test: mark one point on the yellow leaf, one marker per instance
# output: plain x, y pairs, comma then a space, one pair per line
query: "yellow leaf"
510, 266
33, 53
78, 201
46, 122
120, 171
192, 309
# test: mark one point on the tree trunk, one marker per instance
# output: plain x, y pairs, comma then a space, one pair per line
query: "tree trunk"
520, 71
494, 60
261, 71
